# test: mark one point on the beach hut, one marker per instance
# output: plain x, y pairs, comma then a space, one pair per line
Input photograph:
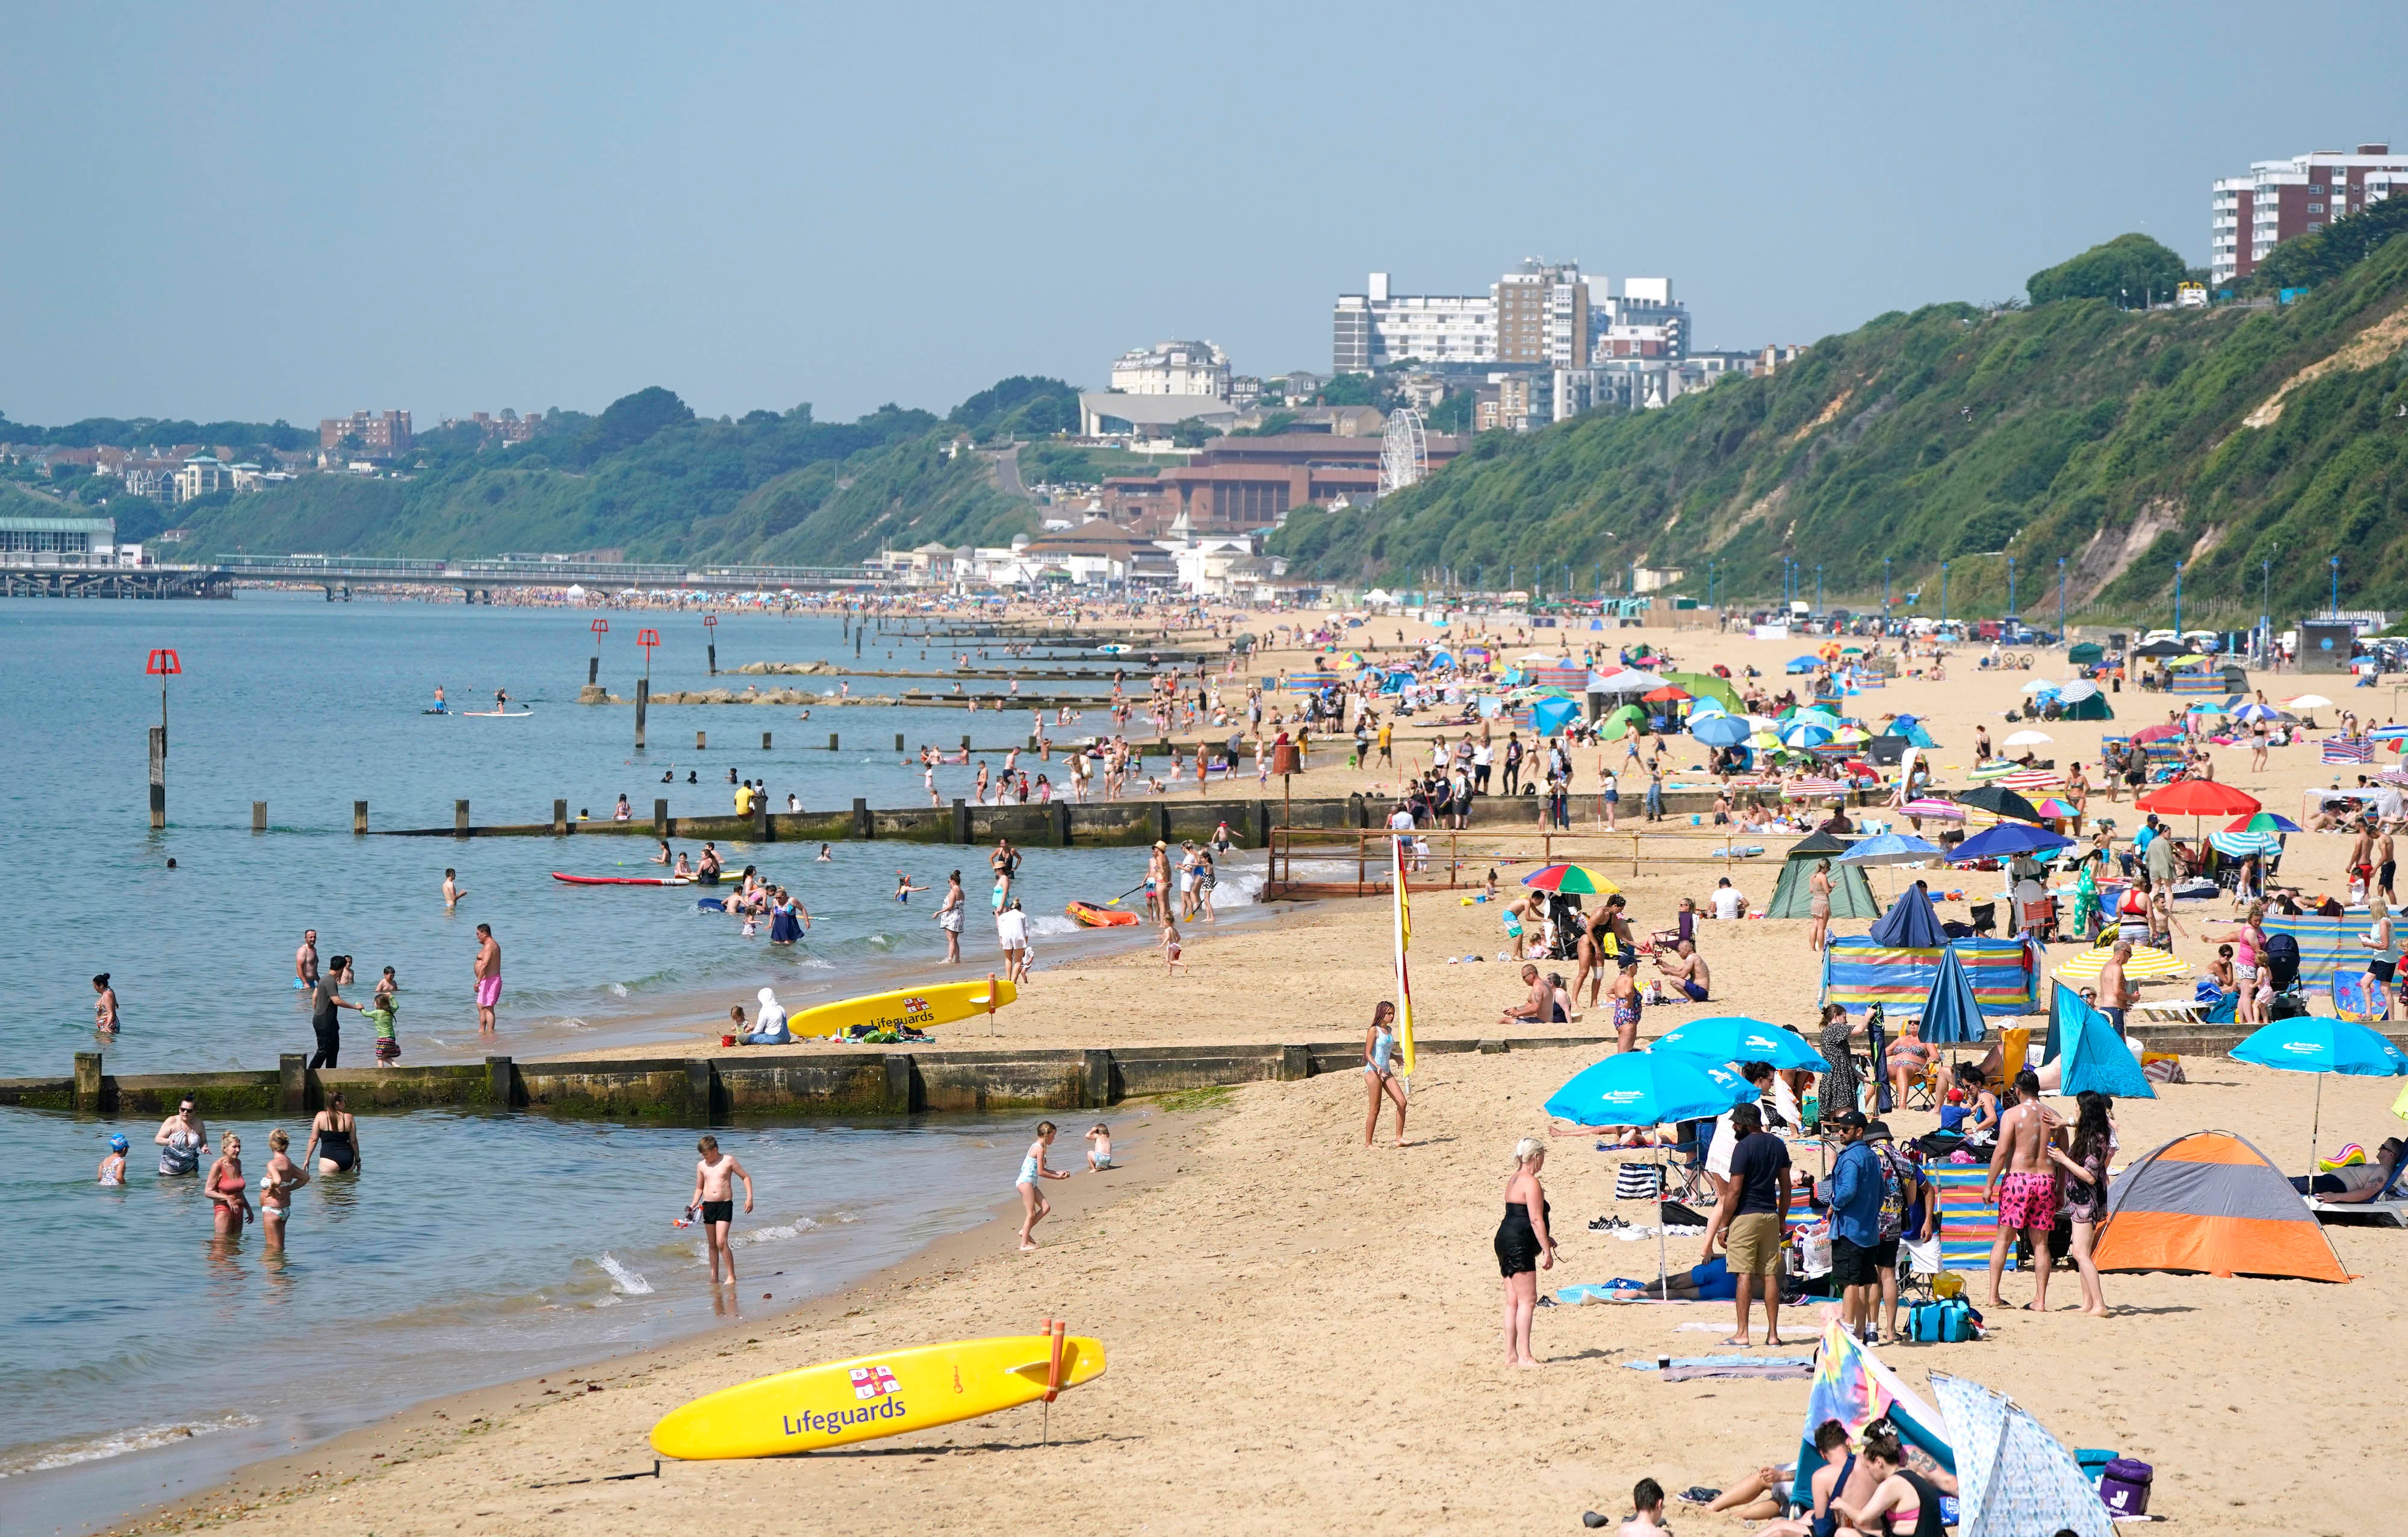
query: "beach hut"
1793, 896
2210, 1202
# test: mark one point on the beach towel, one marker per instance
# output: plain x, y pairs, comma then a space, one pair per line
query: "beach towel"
1967, 1224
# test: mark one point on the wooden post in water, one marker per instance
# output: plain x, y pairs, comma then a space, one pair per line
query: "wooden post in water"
643, 696
259, 816
87, 1081
359, 818
459, 819
865, 826
899, 741
764, 741
698, 743
831, 741
158, 777
560, 819
660, 819
961, 822
760, 826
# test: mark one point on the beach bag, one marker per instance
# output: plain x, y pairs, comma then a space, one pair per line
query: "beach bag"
1637, 1182
1895, 1181
2124, 1488
1951, 1322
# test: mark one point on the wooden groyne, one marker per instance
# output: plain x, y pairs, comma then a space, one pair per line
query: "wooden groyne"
698, 1090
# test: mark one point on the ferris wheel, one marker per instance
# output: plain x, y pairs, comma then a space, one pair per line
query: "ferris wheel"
1404, 452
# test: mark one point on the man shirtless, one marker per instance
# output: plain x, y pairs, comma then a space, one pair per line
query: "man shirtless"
489, 975
2021, 1186
1690, 975
1540, 1008
305, 960
2115, 991
714, 1202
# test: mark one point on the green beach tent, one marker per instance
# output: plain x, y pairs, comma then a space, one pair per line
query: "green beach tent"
1793, 898
1705, 686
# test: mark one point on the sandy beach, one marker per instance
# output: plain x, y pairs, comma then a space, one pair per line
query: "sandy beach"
1304, 1333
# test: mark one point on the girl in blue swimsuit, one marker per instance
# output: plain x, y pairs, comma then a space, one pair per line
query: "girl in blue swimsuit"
1033, 1205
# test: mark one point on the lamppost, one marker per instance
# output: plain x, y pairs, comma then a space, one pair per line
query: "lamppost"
2177, 600
1884, 587
2266, 598
2061, 597
1944, 592
2010, 586
2336, 586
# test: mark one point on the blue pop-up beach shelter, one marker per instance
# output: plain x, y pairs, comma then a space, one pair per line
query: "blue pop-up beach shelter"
1952, 1014
1910, 924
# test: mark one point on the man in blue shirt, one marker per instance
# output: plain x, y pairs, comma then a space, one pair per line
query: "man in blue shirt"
1857, 1191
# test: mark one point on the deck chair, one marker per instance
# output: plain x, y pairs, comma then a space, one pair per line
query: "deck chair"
2390, 1203
1986, 918
1924, 1093
2014, 1046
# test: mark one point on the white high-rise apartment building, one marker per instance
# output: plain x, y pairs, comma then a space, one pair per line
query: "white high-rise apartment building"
1173, 368
2249, 216
1377, 329
1543, 314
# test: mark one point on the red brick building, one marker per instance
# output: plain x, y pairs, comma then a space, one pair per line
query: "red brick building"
2250, 215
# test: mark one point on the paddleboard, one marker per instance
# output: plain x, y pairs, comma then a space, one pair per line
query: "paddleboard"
625, 879
837, 1403
1096, 915
918, 1007
499, 714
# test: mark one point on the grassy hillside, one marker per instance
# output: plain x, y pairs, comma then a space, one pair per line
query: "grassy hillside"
2113, 440
648, 478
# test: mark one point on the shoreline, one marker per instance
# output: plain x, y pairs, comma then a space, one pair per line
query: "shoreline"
386, 1441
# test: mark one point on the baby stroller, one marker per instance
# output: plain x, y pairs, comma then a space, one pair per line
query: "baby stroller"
1566, 923
2282, 963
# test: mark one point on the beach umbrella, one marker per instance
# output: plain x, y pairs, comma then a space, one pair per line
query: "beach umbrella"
2007, 840
1891, 849
2388, 733
2312, 1043
1649, 1088
2160, 732
1669, 693
2029, 739
2198, 798
1952, 1013
2392, 776
1736, 1038
2308, 702
2052, 808
2040, 685
2077, 691
1802, 734
2207, 707
2254, 711
2240, 845
1719, 730
1808, 716
1930, 809
1549, 717
2263, 822
1999, 802
2146, 961
1851, 736
2156, 649
1573, 878
1708, 705
2026, 779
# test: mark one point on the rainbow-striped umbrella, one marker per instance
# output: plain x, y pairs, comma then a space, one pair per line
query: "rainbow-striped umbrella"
1573, 878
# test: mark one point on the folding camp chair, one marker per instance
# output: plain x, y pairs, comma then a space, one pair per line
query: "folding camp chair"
1686, 1178
1986, 918
1924, 1093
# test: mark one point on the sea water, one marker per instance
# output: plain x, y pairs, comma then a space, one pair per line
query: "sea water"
137, 1356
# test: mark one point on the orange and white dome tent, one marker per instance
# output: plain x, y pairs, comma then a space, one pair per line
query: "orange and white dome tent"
2209, 1201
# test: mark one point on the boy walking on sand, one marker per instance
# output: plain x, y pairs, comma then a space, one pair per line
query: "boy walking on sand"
714, 1200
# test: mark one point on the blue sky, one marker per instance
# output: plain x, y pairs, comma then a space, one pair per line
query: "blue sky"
261, 211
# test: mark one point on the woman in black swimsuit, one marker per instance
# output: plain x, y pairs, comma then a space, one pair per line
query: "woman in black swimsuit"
1524, 1247
333, 1138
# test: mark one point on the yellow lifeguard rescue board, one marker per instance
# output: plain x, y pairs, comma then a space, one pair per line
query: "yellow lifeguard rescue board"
839, 1402
918, 1007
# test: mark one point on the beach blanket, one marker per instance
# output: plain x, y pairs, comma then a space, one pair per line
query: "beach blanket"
1768, 1368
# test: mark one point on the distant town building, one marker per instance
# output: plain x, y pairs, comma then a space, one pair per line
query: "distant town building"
58, 536
1541, 314
380, 434
508, 427
203, 475
1173, 368
2250, 215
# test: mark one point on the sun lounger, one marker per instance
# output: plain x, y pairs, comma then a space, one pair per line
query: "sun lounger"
2390, 1203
